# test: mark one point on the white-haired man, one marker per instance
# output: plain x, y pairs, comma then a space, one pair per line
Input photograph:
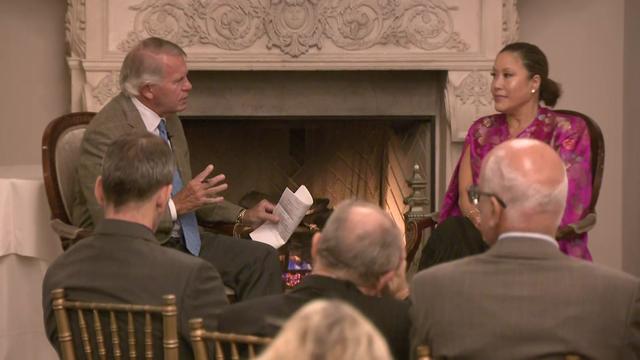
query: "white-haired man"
155, 87
523, 298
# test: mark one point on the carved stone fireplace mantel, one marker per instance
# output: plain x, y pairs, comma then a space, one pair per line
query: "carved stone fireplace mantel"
459, 36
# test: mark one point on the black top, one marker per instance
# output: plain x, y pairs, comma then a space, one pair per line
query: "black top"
264, 316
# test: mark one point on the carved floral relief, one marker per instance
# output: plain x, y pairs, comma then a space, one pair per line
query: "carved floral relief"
296, 26
75, 24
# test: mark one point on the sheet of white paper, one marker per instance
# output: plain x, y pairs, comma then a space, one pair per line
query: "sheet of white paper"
291, 209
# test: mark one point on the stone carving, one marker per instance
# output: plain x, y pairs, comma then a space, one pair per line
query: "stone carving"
75, 25
510, 22
474, 90
297, 26
106, 89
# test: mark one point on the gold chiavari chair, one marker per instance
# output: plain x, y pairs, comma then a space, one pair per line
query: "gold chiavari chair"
223, 341
62, 307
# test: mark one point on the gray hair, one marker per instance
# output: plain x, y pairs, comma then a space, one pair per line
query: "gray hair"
328, 330
135, 167
360, 248
142, 66
521, 195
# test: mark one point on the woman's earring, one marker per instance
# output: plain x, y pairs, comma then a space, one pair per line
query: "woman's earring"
533, 91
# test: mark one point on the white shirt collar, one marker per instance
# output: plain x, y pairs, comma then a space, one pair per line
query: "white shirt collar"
149, 117
528, 235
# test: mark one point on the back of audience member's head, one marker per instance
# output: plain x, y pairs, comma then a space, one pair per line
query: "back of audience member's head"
135, 167
359, 243
143, 65
327, 330
529, 176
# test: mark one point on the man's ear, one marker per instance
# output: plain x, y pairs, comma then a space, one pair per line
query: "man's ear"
384, 281
162, 197
145, 92
495, 212
98, 191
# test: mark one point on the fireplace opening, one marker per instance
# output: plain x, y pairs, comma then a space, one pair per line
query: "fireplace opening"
336, 157
367, 158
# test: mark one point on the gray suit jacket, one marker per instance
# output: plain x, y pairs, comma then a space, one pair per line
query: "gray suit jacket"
117, 118
524, 299
123, 263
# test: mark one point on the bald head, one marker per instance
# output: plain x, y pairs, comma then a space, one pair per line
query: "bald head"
529, 176
360, 243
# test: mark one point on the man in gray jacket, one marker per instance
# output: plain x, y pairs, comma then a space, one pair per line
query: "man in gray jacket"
523, 298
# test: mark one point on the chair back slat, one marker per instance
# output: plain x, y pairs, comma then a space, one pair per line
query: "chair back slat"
84, 335
101, 313
148, 341
170, 342
219, 351
235, 355
115, 336
221, 341
64, 329
97, 326
131, 336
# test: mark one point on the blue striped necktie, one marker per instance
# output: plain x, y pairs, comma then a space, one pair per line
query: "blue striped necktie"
188, 221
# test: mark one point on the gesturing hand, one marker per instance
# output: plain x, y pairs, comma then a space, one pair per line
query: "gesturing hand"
200, 192
261, 212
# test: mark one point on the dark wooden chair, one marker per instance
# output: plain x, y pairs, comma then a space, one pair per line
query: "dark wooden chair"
224, 343
597, 169
417, 222
93, 338
60, 150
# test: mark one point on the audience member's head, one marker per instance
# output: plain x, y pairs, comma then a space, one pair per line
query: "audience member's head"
359, 243
137, 173
327, 330
522, 187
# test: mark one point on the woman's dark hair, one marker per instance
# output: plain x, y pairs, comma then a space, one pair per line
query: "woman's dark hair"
536, 63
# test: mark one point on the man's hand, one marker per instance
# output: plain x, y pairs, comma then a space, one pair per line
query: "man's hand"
263, 211
200, 192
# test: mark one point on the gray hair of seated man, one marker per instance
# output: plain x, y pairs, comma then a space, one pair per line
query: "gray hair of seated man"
360, 242
142, 65
523, 195
135, 167
327, 330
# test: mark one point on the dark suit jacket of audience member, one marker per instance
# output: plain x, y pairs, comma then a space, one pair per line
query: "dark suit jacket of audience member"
264, 316
123, 263
524, 299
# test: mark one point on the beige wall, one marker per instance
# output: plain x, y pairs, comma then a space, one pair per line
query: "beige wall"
583, 40
631, 147
35, 79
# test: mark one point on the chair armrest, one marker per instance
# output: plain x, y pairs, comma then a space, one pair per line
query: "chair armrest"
413, 232
584, 225
69, 234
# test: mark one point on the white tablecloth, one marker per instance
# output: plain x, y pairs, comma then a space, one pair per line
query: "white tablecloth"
27, 247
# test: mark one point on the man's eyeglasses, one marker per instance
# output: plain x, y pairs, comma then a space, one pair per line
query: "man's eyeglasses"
474, 195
